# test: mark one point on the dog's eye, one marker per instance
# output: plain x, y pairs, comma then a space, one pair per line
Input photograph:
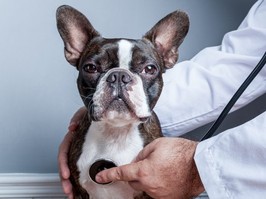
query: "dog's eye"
149, 69
90, 68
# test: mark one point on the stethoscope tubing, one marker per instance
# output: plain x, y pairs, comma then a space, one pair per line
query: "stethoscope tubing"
235, 97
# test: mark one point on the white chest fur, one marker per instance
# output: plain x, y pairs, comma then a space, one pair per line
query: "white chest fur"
119, 144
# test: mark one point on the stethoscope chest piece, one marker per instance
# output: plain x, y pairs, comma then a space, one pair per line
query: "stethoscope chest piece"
98, 166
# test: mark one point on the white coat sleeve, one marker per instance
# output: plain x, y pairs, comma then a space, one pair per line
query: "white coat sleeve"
233, 164
196, 91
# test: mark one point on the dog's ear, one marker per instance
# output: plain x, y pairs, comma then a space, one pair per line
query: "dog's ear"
76, 32
168, 34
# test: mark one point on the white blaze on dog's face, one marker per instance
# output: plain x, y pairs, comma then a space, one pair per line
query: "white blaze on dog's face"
126, 98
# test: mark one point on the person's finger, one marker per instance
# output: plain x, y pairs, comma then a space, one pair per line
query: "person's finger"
77, 117
63, 155
63, 152
70, 196
64, 146
146, 151
129, 172
73, 126
67, 188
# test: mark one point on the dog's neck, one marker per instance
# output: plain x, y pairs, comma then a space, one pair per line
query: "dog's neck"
113, 130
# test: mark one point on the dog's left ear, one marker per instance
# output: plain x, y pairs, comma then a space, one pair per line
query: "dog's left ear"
168, 34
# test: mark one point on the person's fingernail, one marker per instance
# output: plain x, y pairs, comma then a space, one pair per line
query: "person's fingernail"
99, 179
64, 175
70, 196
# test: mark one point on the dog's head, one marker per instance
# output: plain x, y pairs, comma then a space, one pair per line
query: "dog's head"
120, 80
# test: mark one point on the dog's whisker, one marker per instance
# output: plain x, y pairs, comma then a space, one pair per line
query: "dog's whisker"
86, 97
90, 88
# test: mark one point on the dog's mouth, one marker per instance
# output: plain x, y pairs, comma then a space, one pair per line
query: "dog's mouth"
119, 109
119, 105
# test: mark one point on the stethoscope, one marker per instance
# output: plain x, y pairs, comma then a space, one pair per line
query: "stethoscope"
102, 164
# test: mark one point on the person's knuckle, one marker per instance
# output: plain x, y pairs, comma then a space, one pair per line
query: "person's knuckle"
117, 174
142, 172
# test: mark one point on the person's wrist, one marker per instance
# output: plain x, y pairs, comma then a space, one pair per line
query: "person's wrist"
197, 185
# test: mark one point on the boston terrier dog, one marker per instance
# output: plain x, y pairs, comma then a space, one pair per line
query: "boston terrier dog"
119, 81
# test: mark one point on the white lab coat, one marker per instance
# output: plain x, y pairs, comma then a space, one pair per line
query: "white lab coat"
232, 164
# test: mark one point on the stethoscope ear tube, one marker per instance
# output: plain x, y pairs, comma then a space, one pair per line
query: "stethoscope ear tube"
235, 97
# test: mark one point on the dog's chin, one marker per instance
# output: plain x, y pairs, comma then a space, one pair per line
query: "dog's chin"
119, 113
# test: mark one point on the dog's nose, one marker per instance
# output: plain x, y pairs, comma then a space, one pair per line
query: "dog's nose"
119, 77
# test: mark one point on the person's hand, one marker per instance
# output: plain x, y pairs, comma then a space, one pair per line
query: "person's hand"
164, 169
63, 152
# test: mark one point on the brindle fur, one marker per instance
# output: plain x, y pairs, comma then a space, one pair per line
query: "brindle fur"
149, 130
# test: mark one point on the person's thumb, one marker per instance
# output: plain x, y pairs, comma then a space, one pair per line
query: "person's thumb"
129, 172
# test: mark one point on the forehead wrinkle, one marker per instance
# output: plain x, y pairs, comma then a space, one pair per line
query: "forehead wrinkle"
125, 53
101, 53
144, 53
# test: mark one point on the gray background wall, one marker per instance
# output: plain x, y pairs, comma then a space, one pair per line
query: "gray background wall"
38, 94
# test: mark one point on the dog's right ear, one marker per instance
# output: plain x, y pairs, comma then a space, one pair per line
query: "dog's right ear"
76, 32
168, 34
